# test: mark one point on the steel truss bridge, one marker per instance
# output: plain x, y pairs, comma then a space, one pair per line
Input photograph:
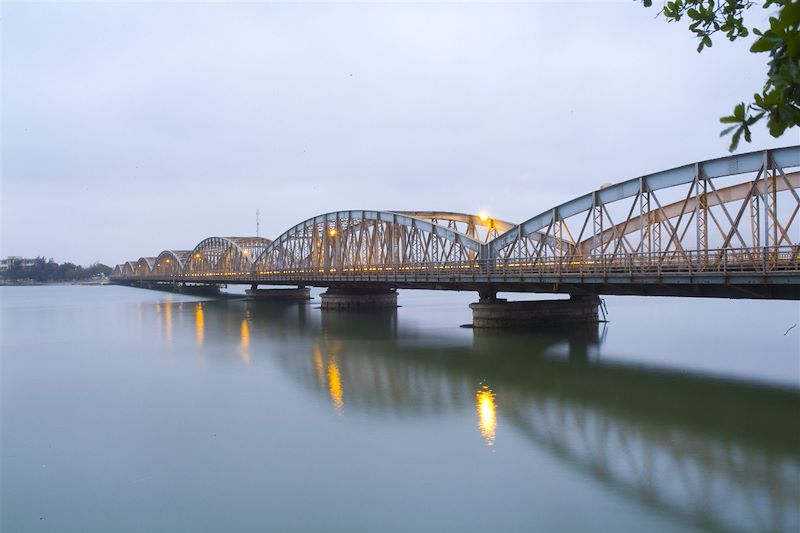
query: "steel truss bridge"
726, 227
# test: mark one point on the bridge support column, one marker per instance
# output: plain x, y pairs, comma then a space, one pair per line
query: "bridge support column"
500, 313
487, 294
195, 289
300, 294
351, 299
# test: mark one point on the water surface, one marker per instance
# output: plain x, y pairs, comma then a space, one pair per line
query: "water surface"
134, 410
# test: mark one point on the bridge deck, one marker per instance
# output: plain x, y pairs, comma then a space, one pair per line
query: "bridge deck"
747, 273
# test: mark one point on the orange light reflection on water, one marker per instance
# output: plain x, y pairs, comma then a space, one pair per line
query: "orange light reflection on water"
335, 385
319, 368
487, 413
244, 348
168, 323
199, 324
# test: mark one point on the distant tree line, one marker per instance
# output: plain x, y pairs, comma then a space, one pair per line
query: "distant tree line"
48, 270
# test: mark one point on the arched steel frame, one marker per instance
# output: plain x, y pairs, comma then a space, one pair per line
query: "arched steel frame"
740, 192
482, 228
707, 224
144, 266
171, 262
127, 268
225, 255
117, 271
346, 241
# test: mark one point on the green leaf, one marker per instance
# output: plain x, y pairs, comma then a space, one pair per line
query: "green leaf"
735, 140
761, 45
778, 102
755, 118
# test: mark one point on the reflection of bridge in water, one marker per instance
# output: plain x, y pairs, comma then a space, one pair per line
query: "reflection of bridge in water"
706, 452
726, 227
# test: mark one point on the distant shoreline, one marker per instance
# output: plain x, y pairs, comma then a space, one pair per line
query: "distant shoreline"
30, 283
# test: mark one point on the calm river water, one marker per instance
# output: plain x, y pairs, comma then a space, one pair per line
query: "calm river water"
133, 410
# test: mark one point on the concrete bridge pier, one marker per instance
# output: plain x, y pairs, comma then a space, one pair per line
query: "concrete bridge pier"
300, 294
198, 289
500, 313
357, 299
195, 289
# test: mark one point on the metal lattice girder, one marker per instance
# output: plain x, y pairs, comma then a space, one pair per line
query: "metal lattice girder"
345, 240
225, 255
143, 266
127, 268
171, 262
740, 192
480, 227
781, 158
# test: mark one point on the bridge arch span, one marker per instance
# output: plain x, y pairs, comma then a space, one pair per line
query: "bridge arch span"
224, 255
171, 262
480, 227
343, 241
723, 196
144, 266
689, 208
127, 268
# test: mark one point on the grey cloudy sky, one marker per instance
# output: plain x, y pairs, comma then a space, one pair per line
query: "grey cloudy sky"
132, 128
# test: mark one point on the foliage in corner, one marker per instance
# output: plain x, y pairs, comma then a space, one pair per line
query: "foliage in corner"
779, 99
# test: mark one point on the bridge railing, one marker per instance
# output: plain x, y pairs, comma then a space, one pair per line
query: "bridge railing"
729, 261
763, 260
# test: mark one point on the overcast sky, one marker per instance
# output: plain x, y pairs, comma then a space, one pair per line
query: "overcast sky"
129, 129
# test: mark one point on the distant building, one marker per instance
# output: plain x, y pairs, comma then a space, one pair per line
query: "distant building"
17, 260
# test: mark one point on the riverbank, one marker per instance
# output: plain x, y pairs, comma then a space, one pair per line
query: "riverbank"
30, 282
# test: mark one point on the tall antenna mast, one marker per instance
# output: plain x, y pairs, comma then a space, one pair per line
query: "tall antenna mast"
258, 222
